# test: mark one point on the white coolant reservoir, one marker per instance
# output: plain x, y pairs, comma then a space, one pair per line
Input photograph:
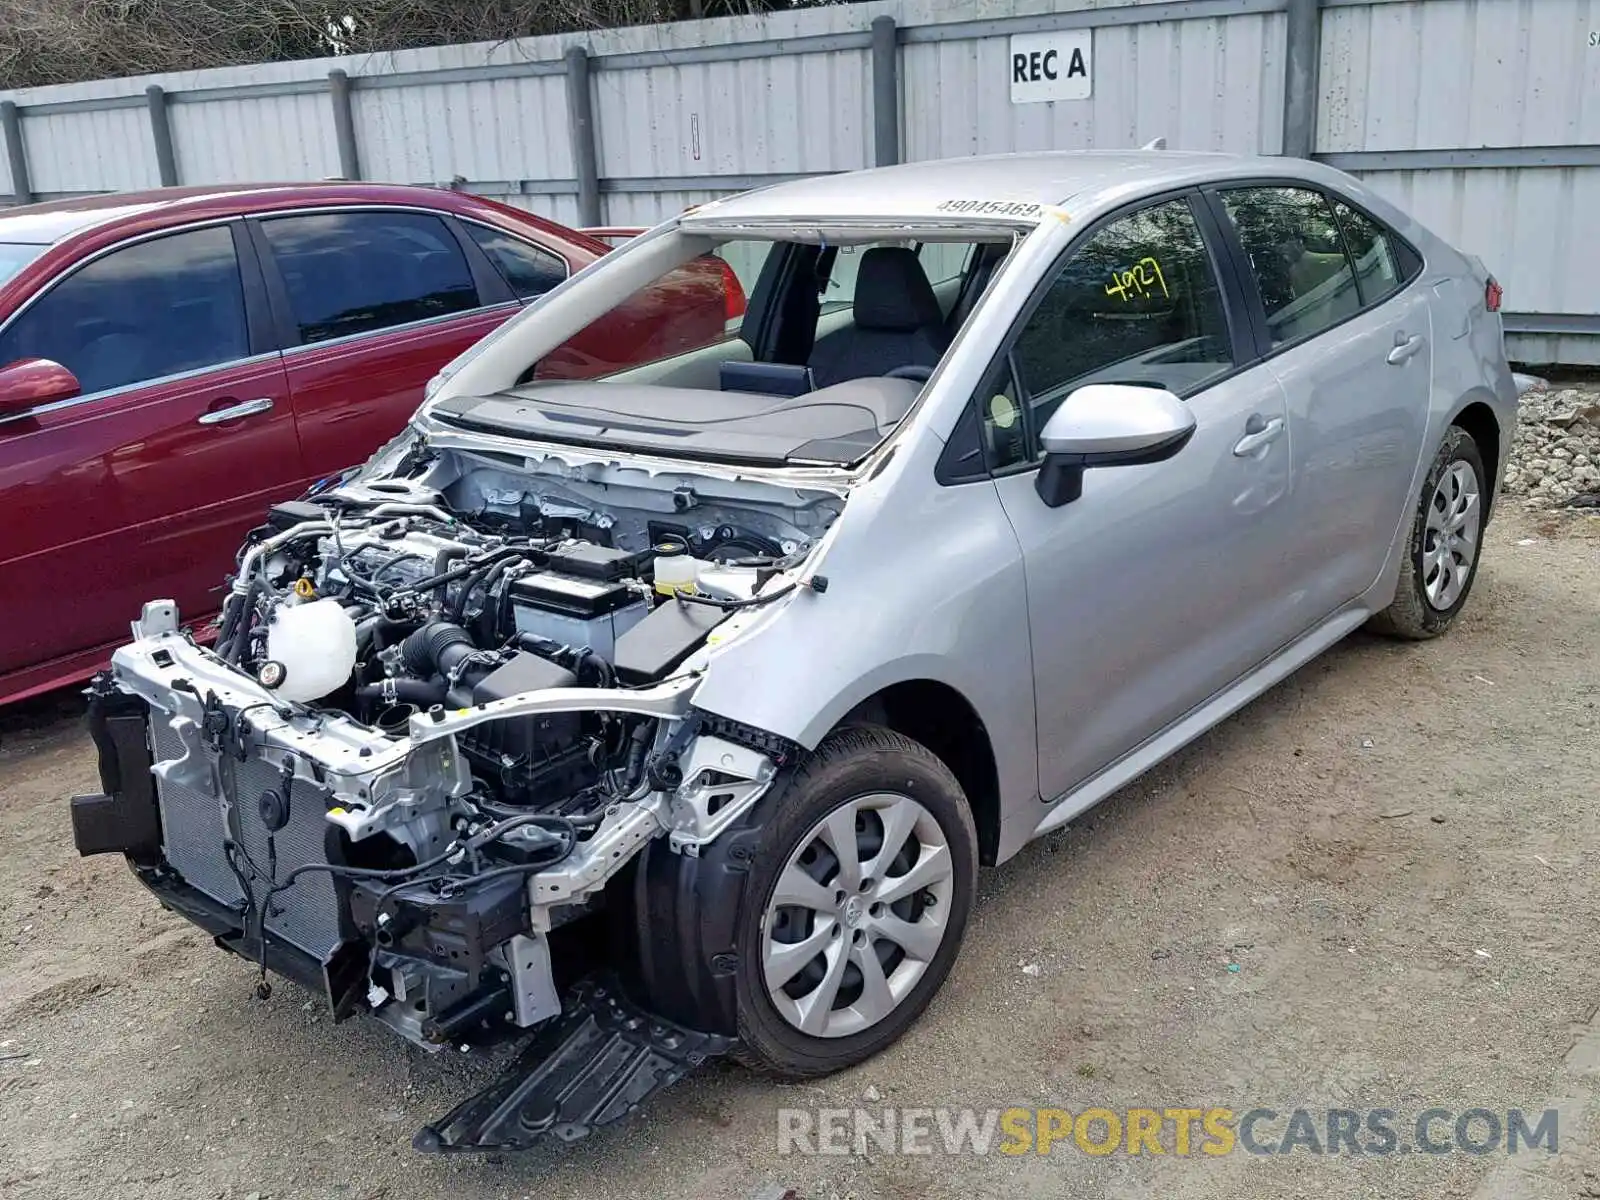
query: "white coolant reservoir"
314, 644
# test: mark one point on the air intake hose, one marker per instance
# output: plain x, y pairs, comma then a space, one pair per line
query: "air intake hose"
436, 649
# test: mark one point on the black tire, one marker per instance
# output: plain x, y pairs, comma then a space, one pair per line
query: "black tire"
850, 764
1412, 615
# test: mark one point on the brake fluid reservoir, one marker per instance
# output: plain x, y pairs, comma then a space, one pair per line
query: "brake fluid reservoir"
675, 570
315, 644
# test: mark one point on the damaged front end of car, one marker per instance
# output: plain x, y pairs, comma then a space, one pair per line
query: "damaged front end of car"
449, 705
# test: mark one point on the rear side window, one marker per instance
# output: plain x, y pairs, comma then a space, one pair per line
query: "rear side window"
1297, 256
162, 307
359, 272
1372, 250
528, 271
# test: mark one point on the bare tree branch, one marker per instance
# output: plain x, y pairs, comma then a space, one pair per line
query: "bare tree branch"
64, 41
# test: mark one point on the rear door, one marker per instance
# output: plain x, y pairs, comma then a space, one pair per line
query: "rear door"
142, 486
1352, 346
370, 303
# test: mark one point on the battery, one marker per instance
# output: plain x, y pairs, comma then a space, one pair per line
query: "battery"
576, 612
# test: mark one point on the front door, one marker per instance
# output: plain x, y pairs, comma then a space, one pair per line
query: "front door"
1162, 583
142, 487
1353, 350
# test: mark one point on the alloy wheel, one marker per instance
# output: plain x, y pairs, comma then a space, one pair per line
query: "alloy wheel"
856, 915
1450, 537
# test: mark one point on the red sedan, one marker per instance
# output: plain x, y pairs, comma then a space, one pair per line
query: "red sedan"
173, 362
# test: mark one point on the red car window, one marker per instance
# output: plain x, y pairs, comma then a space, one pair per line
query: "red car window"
156, 308
14, 256
528, 271
357, 272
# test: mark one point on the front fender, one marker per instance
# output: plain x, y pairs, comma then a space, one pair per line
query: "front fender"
924, 582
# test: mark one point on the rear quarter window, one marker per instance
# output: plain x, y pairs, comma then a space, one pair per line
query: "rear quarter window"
528, 271
1384, 263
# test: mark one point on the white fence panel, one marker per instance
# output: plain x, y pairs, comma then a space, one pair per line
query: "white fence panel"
1202, 84
562, 209
795, 114
1459, 73
651, 208
101, 151
277, 138
495, 129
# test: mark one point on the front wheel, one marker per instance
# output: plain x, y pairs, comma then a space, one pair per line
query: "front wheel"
856, 905
1446, 536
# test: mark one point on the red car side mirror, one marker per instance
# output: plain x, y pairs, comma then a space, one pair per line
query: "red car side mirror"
30, 382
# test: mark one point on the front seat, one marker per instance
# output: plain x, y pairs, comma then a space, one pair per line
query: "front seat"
897, 322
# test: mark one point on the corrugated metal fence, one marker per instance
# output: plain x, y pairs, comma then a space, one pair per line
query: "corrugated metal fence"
1481, 116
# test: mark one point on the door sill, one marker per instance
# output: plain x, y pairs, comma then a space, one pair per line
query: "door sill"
1198, 720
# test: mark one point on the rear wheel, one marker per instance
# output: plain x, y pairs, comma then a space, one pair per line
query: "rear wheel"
1446, 533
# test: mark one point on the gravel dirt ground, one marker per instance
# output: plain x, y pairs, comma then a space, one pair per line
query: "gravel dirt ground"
1393, 848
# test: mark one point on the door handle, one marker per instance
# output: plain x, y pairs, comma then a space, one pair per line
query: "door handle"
236, 412
1404, 347
1258, 433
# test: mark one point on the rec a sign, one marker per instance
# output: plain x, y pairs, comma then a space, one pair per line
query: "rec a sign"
1051, 66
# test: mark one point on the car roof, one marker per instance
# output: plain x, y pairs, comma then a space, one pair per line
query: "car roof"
55, 220
1018, 188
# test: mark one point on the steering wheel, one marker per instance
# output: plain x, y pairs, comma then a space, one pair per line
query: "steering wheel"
914, 373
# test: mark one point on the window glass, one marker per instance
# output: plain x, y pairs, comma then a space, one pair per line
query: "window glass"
697, 304
1137, 303
16, 255
527, 270
1370, 249
154, 309
357, 272
942, 263
1297, 257
745, 260
1005, 437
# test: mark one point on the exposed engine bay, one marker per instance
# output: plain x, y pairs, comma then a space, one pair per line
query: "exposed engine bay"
447, 703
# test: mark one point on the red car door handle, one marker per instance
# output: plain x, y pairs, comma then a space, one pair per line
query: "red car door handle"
236, 412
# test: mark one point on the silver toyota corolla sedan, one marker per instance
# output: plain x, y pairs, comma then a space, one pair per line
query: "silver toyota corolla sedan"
672, 713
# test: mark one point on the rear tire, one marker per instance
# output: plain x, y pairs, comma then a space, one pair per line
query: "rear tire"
1445, 545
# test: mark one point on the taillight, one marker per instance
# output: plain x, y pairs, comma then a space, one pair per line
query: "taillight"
1492, 293
732, 293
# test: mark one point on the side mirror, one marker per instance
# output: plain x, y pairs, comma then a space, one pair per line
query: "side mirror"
1108, 425
30, 382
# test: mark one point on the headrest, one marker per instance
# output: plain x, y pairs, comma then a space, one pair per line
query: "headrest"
892, 293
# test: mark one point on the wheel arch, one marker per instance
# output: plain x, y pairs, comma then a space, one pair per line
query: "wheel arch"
936, 715
674, 920
1481, 424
